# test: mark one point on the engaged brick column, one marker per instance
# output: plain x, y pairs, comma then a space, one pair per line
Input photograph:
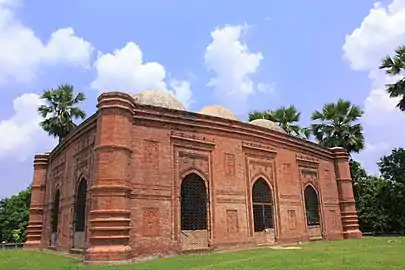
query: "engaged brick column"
347, 203
110, 216
34, 228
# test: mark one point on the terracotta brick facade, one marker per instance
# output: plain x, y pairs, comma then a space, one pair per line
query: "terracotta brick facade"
134, 160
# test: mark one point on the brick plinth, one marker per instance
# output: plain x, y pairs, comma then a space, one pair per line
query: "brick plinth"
34, 229
110, 216
347, 202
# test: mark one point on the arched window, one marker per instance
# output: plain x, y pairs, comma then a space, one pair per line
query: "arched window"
80, 211
55, 212
193, 203
311, 206
262, 206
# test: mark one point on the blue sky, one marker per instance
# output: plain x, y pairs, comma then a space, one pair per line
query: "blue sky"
239, 54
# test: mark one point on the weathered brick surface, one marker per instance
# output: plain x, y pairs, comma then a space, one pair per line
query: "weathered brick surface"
35, 225
135, 158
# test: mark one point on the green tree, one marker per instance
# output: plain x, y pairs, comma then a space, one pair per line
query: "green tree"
14, 215
337, 126
356, 170
371, 194
285, 117
60, 110
395, 66
392, 168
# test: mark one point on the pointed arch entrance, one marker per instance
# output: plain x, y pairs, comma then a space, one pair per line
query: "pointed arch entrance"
80, 215
263, 212
312, 212
194, 212
55, 218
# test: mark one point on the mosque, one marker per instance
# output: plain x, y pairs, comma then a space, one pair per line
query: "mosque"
144, 177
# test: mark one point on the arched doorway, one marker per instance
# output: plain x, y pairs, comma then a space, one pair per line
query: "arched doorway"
55, 218
193, 205
312, 212
263, 208
80, 215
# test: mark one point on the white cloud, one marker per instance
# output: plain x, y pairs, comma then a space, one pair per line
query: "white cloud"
124, 70
22, 52
64, 47
233, 64
380, 32
21, 135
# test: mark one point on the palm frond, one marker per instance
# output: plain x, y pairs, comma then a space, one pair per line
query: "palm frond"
336, 126
59, 112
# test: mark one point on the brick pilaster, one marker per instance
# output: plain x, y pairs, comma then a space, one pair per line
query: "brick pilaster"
110, 215
34, 229
347, 202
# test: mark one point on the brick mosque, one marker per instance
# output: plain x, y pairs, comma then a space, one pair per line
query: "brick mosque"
143, 177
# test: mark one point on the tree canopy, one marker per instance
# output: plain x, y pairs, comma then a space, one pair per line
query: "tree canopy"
337, 126
60, 111
286, 117
14, 215
395, 66
380, 201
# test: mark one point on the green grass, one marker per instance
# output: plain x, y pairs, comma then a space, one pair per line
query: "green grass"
367, 253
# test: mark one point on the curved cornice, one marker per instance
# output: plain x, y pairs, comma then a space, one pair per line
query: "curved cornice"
149, 115
84, 127
190, 121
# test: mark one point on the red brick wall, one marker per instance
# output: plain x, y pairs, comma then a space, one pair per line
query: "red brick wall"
67, 165
135, 157
164, 151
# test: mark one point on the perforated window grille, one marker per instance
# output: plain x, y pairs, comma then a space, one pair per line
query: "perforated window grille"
80, 211
262, 206
311, 206
193, 203
55, 212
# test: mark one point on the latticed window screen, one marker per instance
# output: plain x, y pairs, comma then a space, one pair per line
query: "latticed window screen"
311, 206
262, 206
193, 203
55, 212
80, 211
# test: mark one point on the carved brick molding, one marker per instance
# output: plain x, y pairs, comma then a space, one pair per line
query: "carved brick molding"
191, 141
190, 155
292, 220
258, 149
150, 222
309, 176
307, 161
232, 223
84, 157
260, 168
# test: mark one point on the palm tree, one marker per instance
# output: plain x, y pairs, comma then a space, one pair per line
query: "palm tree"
337, 126
60, 110
394, 66
258, 115
285, 117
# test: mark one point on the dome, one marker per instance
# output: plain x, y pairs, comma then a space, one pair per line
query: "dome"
219, 111
267, 124
158, 98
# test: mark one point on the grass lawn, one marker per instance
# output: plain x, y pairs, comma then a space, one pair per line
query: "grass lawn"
367, 253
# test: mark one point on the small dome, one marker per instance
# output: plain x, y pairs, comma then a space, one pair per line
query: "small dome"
158, 98
219, 111
267, 124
